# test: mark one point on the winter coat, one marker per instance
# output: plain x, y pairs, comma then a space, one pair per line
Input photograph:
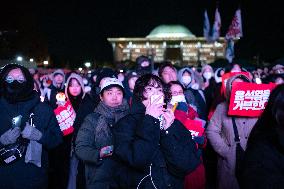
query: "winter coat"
221, 135
26, 175
264, 160
141, 148
94, 134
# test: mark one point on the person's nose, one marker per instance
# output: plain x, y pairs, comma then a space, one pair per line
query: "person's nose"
114, 97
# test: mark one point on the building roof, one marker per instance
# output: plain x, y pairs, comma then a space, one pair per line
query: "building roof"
170, 31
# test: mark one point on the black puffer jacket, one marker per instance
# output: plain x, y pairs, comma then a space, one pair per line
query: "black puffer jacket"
94, 134
140, 146
21, 174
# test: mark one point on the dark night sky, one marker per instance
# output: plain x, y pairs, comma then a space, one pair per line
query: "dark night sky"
77, 31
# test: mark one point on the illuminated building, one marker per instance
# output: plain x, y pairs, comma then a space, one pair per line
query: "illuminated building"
169, 42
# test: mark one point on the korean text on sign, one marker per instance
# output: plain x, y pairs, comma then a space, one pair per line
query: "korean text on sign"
249, 99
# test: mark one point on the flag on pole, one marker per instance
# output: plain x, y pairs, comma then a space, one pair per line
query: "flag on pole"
230, 50
235, 30
216, 26
206, 27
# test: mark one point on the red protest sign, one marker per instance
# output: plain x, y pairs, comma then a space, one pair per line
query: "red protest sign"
249, 99
195, 127
226, 76
65, 116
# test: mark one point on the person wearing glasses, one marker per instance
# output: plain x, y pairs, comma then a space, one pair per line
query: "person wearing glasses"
19, 100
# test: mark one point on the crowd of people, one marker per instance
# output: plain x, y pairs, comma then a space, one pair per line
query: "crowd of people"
130, 129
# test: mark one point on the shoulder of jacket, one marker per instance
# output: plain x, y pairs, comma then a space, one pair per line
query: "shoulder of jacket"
93, 117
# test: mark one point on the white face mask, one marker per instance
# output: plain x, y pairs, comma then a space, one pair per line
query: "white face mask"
207, 75
178, 98
195, 86
186, 79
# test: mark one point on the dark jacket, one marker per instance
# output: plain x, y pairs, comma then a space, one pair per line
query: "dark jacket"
264, 161
21, 174
51, 100
94, 134
140, 146
87, 106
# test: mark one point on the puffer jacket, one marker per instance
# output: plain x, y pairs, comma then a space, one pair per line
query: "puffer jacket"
142, 150
94, 134
21, 174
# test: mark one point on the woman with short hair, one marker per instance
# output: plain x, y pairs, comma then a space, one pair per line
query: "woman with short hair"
152, 149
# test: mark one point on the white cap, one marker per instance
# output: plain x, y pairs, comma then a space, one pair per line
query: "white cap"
109, 82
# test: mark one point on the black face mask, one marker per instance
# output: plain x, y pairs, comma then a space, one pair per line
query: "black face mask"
16, 91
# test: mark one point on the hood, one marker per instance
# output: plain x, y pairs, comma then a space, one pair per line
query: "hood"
179, 76
7, 68
58, 71
206, 66
79, 79
216, 77
230, 81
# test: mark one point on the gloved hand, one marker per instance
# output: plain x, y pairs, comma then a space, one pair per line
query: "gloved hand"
10, 136
31, 133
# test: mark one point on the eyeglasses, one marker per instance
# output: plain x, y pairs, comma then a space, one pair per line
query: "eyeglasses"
175, 93
11, 79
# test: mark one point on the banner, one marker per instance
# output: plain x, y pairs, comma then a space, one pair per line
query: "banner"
195, 127
230, 52
249, 99
65, 116
206, 27
235, 30
216, 26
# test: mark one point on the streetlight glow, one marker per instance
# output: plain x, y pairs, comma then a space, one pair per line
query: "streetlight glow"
31, 59
80, 69
88, 64
45, 62
19, 58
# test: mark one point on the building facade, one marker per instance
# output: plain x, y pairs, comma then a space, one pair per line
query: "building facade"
169, 42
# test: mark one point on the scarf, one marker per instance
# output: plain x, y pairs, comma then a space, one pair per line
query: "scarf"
108, 117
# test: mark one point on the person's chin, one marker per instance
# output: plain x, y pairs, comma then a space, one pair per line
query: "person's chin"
115, 104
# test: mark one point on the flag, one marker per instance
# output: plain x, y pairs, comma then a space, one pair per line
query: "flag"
230, 50
235, 30
206, 27
216, 26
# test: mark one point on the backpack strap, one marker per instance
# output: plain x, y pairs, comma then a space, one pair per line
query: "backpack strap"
237, 137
